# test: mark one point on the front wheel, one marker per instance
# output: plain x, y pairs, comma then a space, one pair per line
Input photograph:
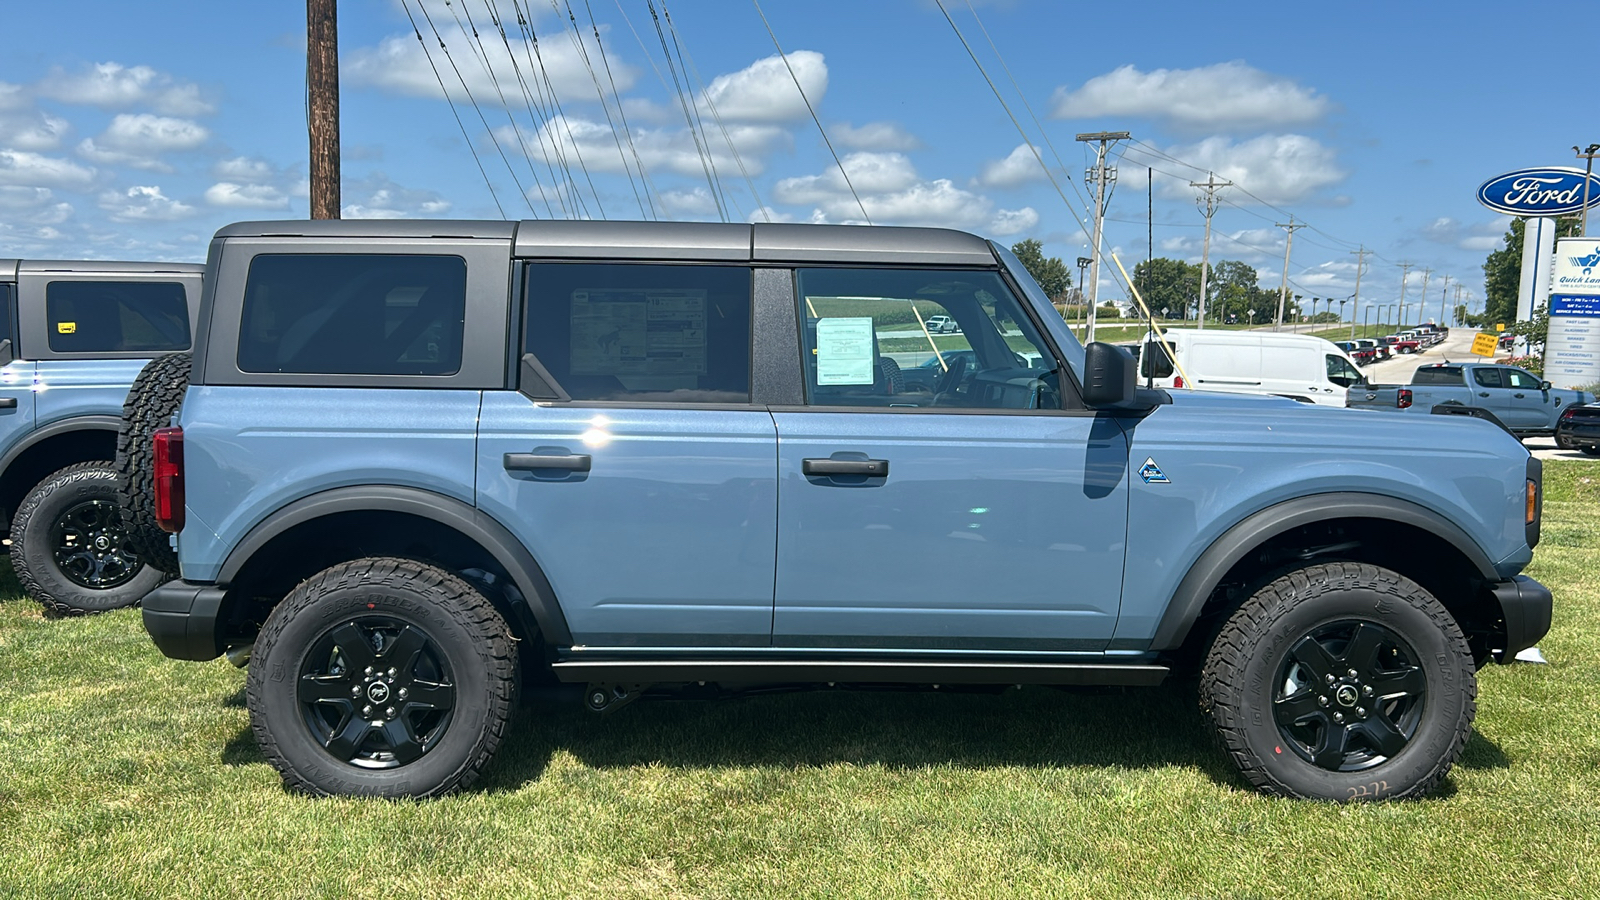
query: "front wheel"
382, 677
1341, 682
70, 548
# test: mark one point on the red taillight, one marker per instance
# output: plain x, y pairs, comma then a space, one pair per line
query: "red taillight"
1177, 381
1402, 398
168, 448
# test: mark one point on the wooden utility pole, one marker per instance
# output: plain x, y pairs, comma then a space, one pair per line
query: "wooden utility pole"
322, 93
1208, 208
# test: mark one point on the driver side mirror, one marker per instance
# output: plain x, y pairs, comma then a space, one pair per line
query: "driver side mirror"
1108, 377
1544, 385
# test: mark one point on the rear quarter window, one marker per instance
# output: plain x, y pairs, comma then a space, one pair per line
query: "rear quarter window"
1437, 375
353, 314
116, 316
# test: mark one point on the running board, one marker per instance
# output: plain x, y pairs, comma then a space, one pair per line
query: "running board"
771, 671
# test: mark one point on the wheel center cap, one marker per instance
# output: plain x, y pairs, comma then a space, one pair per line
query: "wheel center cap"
1347, 695
378, 692
102, 543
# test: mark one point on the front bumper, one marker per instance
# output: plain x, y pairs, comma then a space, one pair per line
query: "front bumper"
183, 619
1525, 608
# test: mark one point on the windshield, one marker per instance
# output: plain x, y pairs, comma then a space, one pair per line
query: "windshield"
1071, 349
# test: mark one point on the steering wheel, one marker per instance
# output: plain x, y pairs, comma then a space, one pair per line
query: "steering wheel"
956, 369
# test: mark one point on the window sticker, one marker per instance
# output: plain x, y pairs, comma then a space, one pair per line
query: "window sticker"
844, 351
67, 327
656, 331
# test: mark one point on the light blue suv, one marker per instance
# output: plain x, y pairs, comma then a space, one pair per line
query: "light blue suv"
73, 334
420, 461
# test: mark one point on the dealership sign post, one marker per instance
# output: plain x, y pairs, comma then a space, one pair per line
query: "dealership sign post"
1572, 351
1539, 195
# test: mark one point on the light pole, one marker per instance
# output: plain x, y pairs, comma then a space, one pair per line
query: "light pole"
1587, 154
1083, 263
1352, 318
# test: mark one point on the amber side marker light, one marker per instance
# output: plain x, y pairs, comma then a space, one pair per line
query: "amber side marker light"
1533, 502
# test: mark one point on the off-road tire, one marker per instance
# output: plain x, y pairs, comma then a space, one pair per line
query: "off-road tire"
472, 640
33, 550
154, 397
1244, 672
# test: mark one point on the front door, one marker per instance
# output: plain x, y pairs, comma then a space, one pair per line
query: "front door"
933, 495
1528, 405
631, 462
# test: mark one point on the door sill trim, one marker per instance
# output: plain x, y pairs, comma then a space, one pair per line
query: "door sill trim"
859, 671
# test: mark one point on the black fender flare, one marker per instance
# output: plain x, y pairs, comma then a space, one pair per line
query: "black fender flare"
1213, 564
59, 427
464, 518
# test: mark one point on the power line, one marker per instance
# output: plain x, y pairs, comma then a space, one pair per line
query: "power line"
544, 73
649, 187
711, 158
823, 131
599, 92
451, 103
482, 53
528, 103
705, 94
688, 118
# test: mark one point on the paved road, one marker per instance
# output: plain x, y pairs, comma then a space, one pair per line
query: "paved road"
1397, 369
1545, 448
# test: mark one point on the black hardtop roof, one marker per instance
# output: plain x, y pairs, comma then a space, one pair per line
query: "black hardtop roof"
584, 239
11, 268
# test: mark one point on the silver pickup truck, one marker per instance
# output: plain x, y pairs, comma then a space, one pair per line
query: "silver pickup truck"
1515, 398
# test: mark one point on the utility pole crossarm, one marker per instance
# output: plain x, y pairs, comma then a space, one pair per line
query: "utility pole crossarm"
1099, 177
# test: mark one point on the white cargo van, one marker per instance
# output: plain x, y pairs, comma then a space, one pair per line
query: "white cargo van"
1297, 366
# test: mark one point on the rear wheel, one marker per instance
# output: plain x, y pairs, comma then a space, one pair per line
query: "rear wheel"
382, 677
69, 546
154, 397
1341, 682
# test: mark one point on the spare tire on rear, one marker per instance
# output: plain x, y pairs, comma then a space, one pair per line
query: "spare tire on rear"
152, 401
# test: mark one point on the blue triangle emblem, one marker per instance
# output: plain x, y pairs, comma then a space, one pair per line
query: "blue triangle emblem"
1151, 473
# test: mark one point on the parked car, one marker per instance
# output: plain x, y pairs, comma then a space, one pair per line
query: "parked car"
1579, 429
1299, 367
1362, 355
415, 462
1379, 351
1513, 397
1508, 339
1403, 344
73, 335
942, 325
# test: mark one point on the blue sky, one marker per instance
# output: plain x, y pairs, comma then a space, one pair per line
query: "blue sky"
136, 130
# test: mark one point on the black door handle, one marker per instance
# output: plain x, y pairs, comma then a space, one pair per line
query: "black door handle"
525, 462
8, 403
1518, 396
1483, 393
873, 468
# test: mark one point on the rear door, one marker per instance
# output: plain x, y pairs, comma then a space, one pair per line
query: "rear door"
16, 384
631, 461
970, 511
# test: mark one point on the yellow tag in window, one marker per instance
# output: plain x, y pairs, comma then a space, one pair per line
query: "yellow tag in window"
67, 327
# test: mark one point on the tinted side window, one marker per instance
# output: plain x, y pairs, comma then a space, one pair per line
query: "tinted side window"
1154, 361
355, 314
7, 292
1437, 375
115, 316
1340, 372
673, 334
1486, 377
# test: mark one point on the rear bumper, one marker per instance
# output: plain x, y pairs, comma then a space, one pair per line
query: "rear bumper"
183, 617
1525, 608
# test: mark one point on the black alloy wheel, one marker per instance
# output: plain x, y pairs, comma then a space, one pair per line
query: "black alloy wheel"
90, 546
1350, 696
376, 692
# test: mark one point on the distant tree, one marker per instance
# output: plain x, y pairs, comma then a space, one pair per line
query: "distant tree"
1502, 272
1231, 286
1169, 284
1051, 273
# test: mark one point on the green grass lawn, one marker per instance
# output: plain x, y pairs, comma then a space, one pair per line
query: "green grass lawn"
123, 774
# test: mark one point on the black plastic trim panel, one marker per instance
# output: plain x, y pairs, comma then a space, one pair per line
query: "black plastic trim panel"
775, 671
1209, 570
182, 616
1526, 607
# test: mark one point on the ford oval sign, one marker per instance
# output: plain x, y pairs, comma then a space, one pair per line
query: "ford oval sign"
1549, 191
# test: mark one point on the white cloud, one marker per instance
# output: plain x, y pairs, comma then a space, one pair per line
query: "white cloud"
1020, 167
875, 136
1277, 168
30, 169
1483, 243
138, 140
12, 97
143, 203
893, 194
244, 169
111, 85
399, 65
378, 197
34, 131
695, 202
764, 91
1230, 94
246, 196
35, 206
661, 150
